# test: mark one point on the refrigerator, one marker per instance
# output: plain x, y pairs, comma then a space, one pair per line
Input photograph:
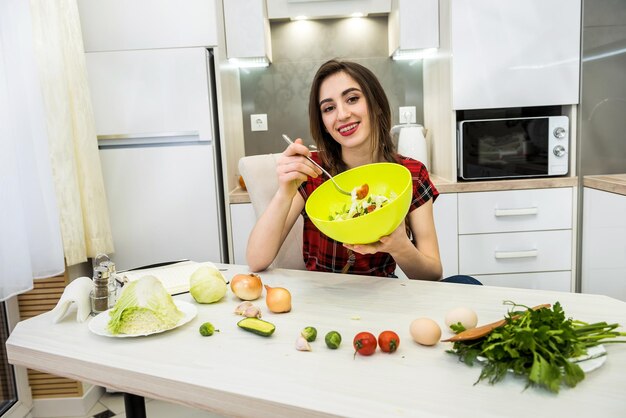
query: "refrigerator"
156, 121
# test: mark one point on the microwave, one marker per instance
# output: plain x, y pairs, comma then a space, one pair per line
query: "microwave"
513, 148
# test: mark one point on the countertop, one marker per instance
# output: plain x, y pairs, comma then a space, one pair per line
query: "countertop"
236, 373
614, 183
239, 195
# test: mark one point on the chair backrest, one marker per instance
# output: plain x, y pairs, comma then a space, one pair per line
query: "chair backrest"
259, 174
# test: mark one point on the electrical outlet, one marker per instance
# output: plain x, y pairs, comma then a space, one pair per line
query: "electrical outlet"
407, 114
258, 122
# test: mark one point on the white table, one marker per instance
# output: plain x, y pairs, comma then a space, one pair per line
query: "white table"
241, 374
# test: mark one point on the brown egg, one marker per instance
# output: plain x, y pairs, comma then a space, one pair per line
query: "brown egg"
425, 331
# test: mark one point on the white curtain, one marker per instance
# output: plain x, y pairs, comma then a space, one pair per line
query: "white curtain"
76, 171
30, 239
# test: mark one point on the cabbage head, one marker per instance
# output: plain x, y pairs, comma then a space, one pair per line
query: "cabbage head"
207, 285
143, 307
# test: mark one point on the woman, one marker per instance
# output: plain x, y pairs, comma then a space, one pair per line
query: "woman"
350, 120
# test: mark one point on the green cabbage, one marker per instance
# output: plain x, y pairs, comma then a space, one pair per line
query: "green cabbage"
207, 285
143, 307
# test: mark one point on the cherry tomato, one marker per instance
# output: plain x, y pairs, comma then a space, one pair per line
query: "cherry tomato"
364, 343
362, 191
388, 341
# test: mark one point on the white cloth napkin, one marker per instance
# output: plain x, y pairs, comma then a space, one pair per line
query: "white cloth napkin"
76, 292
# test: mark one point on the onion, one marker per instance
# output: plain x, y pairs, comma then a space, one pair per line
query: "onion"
247, 286
278, 299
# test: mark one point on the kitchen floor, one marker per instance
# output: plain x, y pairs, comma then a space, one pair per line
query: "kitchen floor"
112, 405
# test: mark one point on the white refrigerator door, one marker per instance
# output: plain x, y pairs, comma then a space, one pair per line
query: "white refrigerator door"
162, 203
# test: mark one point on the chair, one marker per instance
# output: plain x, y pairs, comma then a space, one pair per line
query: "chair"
259, 174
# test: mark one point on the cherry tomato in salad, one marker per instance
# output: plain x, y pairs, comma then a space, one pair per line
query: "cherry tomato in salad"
362, 191
364, 343
388, 341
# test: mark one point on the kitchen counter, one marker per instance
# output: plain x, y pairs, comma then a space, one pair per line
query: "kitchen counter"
239, 195
614, 183
236, 373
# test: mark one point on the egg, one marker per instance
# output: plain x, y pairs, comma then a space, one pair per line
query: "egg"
465, 316
425, 331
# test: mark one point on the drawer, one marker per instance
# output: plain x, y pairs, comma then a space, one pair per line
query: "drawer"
515, 252
515, 210
557, 280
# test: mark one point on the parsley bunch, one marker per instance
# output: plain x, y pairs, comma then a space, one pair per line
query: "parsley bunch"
537, 344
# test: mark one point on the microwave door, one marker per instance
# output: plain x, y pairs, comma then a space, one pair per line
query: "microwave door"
494, 149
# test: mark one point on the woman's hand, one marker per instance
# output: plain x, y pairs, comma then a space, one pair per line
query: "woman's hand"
293, 168
391, 244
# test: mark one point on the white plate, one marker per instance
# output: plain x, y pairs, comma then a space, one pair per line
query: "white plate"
98, 324
595, 357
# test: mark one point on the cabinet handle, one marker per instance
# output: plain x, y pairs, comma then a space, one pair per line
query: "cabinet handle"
150, 135
515, 254
516, 212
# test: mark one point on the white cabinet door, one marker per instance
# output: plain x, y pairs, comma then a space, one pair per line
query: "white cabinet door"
445, 212
252, 42
509, 53
515, 210
560, 281
604, 244
115, 25
163, 203
151, 93
242, 220
515, 252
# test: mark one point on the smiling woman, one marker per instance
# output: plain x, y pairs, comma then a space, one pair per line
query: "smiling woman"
350, 121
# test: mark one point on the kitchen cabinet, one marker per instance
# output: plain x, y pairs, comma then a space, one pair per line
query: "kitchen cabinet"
413, 26
146, 24
242, 220
288, 9
604, 243
517, 238
252, 42
446, 224
150, 93
514, 53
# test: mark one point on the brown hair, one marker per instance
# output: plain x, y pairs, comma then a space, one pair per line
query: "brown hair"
377, 108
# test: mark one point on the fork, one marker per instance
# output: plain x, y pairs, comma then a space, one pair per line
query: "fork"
289, 141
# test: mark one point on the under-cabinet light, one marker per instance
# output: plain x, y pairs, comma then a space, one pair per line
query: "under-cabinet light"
413, 54
254, 62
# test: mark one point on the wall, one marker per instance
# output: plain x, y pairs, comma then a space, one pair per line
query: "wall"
299, 47
603, 94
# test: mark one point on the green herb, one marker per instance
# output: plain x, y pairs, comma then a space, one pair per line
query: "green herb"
537, 344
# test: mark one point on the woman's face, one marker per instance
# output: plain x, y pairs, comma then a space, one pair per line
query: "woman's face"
344, 111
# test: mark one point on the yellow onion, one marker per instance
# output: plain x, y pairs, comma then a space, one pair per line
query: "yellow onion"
278, 299
247, 286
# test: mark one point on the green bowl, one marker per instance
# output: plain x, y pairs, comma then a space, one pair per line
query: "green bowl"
382, 179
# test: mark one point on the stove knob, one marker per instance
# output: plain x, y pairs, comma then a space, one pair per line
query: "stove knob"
559, 133
559, 150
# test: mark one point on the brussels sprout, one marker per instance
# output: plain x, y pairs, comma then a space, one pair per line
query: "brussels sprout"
309, 334
207, 329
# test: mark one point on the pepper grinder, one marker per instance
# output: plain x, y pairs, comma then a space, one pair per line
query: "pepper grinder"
101, 295
110, 266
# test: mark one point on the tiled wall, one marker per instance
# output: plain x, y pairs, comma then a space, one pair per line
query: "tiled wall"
603, 94
299, 47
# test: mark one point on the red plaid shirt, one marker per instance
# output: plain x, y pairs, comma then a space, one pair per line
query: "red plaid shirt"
322, 253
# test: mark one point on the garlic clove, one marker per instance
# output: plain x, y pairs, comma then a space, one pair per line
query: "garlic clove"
241, 308
302, 344
252, 312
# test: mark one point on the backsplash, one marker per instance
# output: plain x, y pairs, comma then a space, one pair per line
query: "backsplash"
299, 47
